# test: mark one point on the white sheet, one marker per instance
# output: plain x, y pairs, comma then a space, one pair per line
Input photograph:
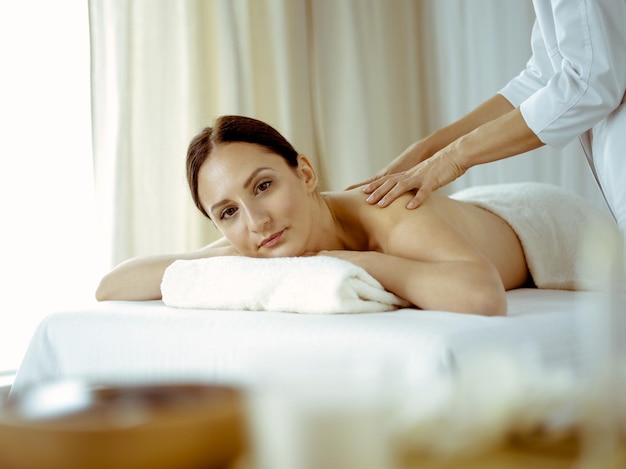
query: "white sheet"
121, 342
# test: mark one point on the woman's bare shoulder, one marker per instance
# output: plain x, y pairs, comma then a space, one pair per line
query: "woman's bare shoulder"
376, 223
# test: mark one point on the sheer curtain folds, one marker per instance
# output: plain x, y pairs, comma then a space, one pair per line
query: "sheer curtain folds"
351, 83
48, 245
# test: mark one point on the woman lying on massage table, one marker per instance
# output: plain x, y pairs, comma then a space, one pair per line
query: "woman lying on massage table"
263, 197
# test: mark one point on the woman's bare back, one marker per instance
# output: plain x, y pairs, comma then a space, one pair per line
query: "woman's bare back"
491, 235
438, 217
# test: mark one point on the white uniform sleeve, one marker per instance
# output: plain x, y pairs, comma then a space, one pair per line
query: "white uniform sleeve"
536, 75
577, 73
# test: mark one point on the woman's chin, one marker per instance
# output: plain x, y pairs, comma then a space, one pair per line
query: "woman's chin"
281, 251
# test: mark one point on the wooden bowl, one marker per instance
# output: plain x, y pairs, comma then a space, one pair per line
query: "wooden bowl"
71, 425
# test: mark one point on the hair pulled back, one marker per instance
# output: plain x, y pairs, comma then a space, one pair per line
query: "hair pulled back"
228, 129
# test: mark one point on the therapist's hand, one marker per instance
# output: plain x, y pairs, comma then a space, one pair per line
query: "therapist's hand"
414, 154
423, 176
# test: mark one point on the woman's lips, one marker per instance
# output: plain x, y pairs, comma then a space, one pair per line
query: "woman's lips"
272, 240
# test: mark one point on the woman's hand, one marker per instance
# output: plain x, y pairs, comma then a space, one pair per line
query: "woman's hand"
425, 177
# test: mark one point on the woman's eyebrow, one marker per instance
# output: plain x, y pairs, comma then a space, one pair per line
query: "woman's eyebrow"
246, 184
215, 206
252, 176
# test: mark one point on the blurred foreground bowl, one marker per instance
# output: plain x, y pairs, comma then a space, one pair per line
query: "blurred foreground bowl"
71, 425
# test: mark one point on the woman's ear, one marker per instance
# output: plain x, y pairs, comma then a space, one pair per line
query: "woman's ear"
306, 172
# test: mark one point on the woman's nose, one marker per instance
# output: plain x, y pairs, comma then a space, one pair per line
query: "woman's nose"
258, 218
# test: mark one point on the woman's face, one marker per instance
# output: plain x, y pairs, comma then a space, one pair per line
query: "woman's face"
261, 205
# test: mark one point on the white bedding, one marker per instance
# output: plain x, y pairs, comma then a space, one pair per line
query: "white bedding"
120, 342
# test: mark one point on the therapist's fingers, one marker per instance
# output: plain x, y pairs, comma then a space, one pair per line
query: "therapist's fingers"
377, 189
424, 178
359, 184
389, 189
371, 184
420, 196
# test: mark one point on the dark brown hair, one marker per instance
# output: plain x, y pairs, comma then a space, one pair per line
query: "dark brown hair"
228, 129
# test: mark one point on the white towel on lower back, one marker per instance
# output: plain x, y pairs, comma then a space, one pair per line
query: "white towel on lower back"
551, 225
316, 284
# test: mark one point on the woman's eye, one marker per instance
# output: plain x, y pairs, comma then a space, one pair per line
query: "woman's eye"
263, 186
227, 213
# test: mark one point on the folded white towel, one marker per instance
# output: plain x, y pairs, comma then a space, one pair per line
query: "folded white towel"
316, 284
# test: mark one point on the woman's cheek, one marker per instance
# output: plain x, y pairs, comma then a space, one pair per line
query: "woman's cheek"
234, 237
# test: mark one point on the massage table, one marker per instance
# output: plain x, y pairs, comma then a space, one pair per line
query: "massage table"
124, 341
458, 382
226, 324
540, 351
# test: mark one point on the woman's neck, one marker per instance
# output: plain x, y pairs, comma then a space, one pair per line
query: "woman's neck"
334, 228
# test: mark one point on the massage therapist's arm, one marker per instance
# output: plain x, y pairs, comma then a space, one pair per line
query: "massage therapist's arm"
492, 132
140, 278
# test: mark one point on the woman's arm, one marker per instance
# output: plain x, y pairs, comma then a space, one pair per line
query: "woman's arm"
140, 278
463, 286
429, 258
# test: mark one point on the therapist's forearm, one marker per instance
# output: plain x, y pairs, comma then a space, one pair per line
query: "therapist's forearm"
505, 136
491, 109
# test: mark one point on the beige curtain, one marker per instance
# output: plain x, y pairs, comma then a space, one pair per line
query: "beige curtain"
350, 82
